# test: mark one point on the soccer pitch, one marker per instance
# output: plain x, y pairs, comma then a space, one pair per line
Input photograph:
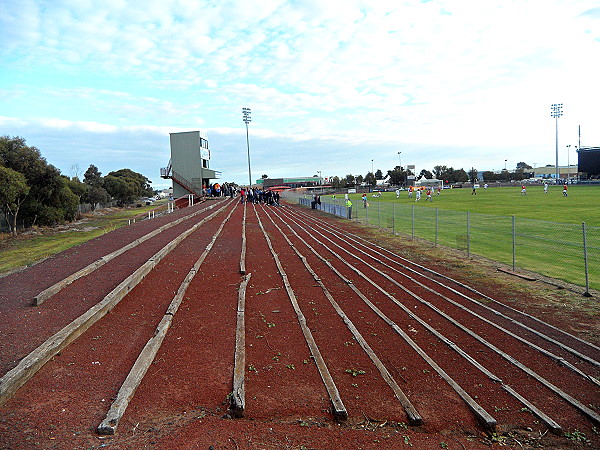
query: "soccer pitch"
581, 205
540, 232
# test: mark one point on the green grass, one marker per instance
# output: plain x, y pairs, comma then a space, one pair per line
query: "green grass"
582, 204
25, 250
548, 227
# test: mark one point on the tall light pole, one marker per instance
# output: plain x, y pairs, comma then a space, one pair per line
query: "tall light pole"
568, 162
400, 165
372, 173
247, 119
555, 113
320, 181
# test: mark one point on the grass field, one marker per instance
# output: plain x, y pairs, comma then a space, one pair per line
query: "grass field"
582, 204
546, 235
29, 248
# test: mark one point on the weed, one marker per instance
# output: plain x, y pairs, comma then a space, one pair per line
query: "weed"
576, 436
497, 439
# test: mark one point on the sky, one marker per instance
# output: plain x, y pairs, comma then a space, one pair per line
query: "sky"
335, 86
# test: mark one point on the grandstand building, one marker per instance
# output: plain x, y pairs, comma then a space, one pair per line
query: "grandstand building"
189, 166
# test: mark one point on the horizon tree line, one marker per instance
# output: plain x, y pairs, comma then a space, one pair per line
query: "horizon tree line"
36, 193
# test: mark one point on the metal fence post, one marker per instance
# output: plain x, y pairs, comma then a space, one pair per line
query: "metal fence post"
436, 226
468, 235
585, 261
413, 221
514, 242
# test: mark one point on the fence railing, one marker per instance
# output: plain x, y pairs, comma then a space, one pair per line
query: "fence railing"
569, 252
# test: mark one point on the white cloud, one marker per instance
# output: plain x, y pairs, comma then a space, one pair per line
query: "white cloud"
456, 79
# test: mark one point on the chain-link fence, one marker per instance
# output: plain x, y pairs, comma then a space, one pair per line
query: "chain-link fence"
570, 252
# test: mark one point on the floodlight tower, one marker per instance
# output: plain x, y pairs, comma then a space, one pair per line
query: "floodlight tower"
556, 112
568, 162
247, 119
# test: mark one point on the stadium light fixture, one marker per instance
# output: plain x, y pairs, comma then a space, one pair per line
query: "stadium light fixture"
555, 113
246, 113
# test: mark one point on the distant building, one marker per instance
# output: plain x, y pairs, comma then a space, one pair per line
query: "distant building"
290, 182
565, 172
189, 164
589, 162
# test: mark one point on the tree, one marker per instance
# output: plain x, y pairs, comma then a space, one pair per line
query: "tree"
49, 200
139, 183
122, 189
397, 176
460, 176
473, 174
426, 173
440, 172
75, 171
488, 175
78, 188
96, 195
370, 179
92, 176
13, 191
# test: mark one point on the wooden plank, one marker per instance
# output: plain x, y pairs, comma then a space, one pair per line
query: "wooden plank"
516, 274
30, 364
554, 427
339, 410
148, 353
57, 287
482, 415
134, 378
414, 418
238, 394
243, 255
